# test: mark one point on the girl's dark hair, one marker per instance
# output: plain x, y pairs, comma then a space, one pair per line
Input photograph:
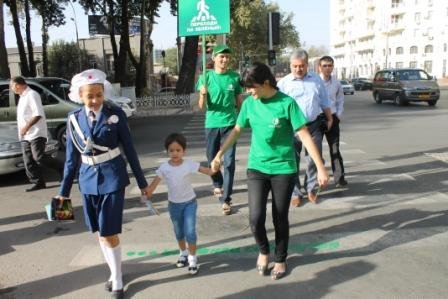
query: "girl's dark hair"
176, 137
258, 73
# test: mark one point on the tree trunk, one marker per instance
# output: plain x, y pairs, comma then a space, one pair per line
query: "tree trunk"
15, 21
4, 65
185, 84
113, 42
44, 48
122, 63
29, 42
140, 78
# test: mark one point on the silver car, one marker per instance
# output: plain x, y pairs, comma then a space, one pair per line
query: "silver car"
11, 150
347, 88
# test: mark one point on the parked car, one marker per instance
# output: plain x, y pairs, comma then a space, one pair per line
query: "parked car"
11, 150
361, 83
405, 85
166, 90
54, 95
55, 106
347, 88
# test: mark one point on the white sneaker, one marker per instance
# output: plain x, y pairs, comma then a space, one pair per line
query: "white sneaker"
182, 261
193, 265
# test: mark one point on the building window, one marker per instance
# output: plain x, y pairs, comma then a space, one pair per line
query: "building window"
428, 49
428, 66
417, 18
444, 47
399, 50
413, 50
413, 64
399, 65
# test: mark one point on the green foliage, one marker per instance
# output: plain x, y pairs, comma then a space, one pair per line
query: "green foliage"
171, 60
63, 59
248, 35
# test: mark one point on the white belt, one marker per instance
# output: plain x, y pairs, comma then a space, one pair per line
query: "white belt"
109, 155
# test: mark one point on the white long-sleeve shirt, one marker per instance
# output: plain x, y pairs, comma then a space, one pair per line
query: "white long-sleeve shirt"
335, 94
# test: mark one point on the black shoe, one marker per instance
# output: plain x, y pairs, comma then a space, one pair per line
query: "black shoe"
117, 294
36, 187
342, 183
108, 286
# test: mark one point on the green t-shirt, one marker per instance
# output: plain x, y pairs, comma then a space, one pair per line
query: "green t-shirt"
222, 91
273, 122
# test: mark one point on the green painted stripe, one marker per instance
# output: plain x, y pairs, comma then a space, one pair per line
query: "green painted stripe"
293, 248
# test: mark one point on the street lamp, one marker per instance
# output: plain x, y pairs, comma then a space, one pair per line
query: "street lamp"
77, 37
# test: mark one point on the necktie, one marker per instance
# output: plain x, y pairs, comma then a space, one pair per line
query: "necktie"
92, 119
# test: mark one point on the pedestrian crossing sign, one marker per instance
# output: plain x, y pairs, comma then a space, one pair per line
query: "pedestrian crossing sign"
202, 17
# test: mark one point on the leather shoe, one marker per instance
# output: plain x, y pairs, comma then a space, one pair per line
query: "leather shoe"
342, 183
36, 187
108, 286
312, 196
117, 294
295, 201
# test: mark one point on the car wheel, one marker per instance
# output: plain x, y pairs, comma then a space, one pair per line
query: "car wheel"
62, 137
398, 101
432, 103
377, 98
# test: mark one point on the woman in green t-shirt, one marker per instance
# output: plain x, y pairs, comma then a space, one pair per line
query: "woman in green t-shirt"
274, 118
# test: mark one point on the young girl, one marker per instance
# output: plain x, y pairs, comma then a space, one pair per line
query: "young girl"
182, 204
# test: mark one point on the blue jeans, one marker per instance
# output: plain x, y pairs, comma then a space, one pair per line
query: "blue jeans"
310, 182
183, 216
258, 187
214, 137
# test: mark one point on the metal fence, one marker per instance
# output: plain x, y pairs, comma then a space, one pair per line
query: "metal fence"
164, 104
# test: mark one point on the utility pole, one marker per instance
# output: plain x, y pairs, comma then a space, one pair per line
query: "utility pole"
77, 37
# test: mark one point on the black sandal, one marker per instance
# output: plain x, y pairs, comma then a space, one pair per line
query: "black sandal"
276, 275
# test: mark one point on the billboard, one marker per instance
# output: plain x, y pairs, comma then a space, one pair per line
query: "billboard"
98, 25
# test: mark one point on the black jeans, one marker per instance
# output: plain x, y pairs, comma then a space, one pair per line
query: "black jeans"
33, 157
259, 184
337, 164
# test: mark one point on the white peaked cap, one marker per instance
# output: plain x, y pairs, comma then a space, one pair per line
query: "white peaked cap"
87, 77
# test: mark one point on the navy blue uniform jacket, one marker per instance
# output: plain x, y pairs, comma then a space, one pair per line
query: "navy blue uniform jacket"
109, 176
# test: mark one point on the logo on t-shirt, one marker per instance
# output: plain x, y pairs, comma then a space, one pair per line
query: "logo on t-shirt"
275, 123
230, 87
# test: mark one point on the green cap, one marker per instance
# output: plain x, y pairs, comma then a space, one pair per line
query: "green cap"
220, 48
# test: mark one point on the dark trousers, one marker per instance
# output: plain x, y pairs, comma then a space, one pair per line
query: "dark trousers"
310, 182
337, 164
214, 138
33, 157
259, 184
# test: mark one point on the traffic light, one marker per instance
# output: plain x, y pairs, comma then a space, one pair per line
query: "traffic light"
271, 58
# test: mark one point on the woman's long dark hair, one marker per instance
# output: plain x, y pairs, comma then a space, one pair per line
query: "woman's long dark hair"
258, 73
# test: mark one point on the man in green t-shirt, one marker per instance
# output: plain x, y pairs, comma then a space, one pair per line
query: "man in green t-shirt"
220, 96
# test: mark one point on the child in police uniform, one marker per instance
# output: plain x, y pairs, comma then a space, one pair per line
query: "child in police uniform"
94, 133
182, 204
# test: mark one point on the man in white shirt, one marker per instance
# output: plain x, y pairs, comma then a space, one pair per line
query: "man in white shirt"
336, 95
32, 127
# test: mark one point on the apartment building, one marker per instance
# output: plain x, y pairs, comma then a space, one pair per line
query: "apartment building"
368, 35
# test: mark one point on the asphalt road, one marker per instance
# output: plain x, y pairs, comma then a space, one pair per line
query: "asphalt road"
385, 236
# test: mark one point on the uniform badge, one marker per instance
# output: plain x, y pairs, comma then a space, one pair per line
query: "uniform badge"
113, 119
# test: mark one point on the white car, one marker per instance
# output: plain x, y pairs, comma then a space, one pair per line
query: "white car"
125, 103
347, 87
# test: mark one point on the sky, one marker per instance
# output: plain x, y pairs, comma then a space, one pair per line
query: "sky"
311, 19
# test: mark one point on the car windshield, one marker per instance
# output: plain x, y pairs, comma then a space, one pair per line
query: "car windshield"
343, 82
413, 75
59, 86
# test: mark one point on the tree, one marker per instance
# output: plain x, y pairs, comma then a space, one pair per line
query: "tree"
248, 30
4, 65
29, 42
314, 51
52, 13
187, 72
63, 59
24, 69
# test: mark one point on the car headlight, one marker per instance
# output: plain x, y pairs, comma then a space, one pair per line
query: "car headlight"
10, 147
